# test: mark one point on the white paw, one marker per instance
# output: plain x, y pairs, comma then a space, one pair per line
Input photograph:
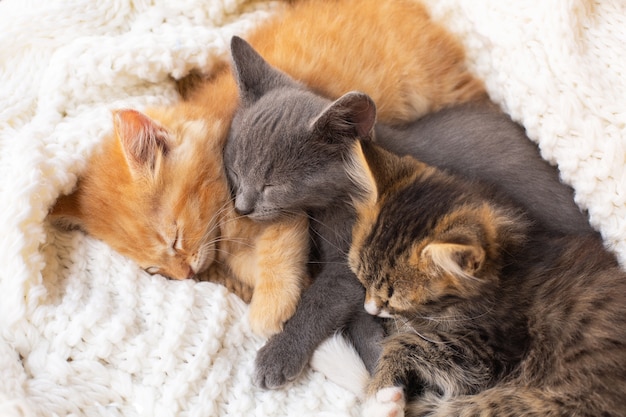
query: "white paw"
388, 402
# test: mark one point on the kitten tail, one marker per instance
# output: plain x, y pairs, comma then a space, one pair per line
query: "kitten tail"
337, 359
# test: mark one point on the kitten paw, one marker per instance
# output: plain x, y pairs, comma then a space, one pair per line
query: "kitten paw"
279, 362
387, 402
267, 318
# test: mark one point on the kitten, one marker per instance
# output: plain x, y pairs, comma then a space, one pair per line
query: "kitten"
291, 151
156, 190
176, 216
492, 315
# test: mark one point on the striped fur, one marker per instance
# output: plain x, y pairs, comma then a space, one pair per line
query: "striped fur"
491, 316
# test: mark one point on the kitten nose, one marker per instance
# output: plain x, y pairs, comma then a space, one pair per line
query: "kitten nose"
243, 211
245, 201
244, 204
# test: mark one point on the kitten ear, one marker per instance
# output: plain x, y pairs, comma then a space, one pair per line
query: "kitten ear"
66, 212
458, 259
359, 170
254, 75
351, 116
143, 140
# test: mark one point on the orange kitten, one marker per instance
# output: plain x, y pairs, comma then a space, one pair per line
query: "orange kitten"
156, 191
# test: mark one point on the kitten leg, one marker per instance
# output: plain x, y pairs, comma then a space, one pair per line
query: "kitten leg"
385, 390
281, 254
434, 361
366, 333
326, 306
446, 363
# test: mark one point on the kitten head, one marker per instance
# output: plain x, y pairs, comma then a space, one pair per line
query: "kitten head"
423, 241
153, 192
288, 146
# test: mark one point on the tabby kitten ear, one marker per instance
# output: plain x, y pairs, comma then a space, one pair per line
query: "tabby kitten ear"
458, 259
351, 116
254, 75
143, 140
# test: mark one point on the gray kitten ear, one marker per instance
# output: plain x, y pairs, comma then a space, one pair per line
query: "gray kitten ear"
353, 115
254, 75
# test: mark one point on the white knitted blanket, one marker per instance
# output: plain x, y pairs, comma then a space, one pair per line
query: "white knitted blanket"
84, 332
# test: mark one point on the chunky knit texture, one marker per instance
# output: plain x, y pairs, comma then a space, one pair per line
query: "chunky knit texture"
85, 332
558, 68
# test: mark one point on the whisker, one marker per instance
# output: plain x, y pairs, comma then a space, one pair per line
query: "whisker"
220, 239
456, 318
330, 243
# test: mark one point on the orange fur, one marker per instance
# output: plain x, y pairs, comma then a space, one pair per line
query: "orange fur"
273, 261
179, 192
156, 190
390, 50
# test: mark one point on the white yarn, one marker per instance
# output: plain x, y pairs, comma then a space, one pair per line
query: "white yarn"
558, 67
84, 332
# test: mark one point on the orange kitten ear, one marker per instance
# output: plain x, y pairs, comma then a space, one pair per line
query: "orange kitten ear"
143, 140
458, 259
66, 212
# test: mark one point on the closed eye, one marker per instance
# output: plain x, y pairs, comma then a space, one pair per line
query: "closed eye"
233, 181
232, 176
176, 240
171, 244
152, 270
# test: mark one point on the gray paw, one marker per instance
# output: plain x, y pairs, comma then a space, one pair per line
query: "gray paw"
278, 363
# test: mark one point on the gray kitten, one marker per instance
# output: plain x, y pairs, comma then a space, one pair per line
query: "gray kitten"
289, 150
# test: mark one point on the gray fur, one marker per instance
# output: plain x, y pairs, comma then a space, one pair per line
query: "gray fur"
285, 154
479, 141
290, 158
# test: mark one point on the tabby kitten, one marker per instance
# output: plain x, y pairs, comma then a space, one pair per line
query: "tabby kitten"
156, 190
292, 151
491, 315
